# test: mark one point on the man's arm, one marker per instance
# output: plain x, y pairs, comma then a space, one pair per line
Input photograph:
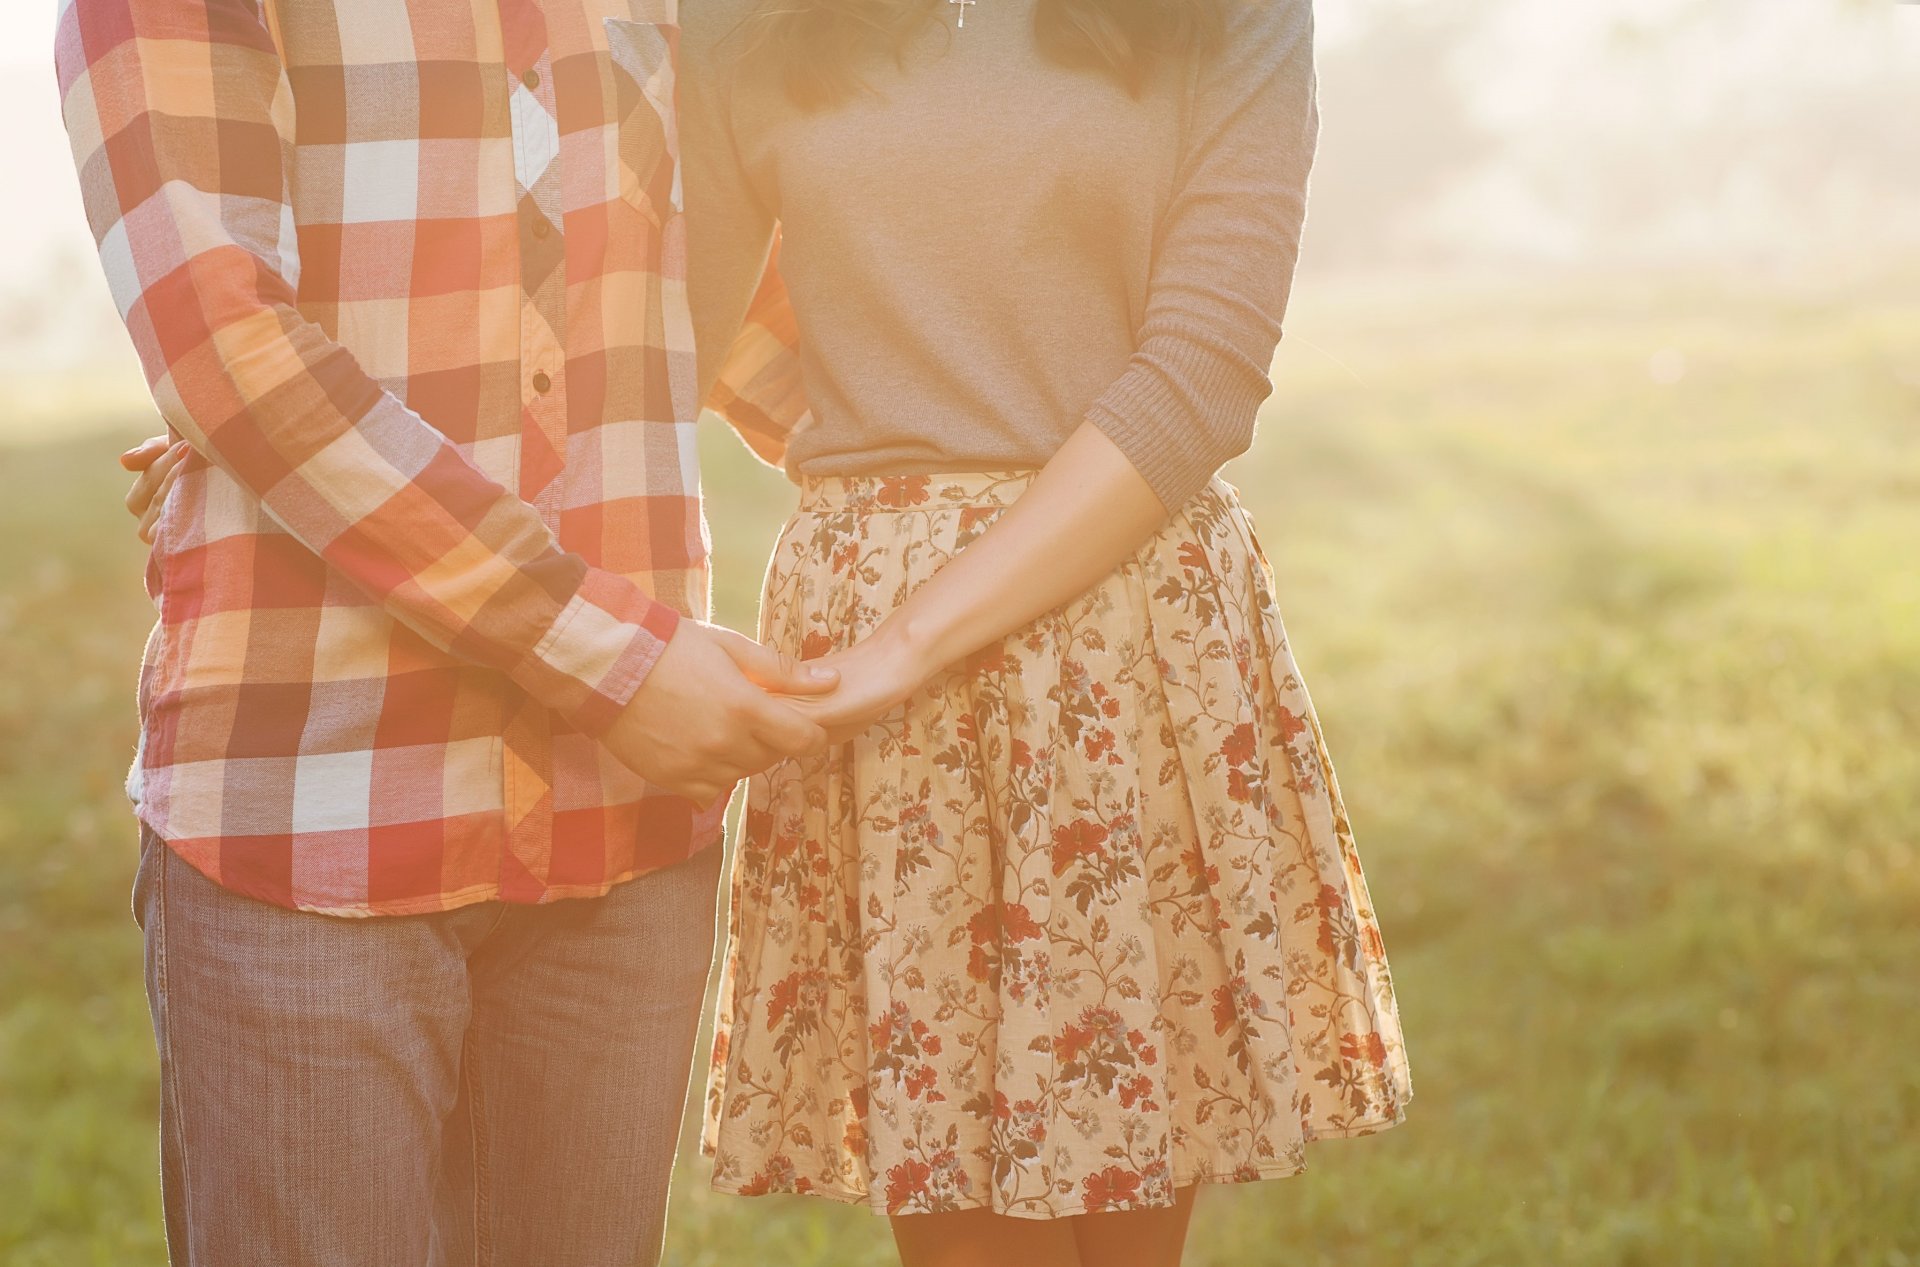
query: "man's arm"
181, 120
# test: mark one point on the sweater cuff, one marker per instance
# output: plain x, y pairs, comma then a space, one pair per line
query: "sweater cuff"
1179, 424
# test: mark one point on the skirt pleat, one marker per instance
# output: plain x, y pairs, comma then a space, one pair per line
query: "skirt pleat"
1078, 925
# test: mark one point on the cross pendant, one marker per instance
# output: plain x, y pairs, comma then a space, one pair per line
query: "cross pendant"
963, 10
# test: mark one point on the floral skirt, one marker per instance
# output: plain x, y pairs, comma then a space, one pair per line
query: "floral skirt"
1078, 925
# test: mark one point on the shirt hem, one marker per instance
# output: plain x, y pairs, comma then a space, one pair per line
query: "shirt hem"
437, 903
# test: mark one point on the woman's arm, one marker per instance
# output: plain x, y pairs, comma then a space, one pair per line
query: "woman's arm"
1224, 254
1186, 400
1087, 511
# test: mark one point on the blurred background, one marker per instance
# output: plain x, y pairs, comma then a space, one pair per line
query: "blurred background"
1592, 483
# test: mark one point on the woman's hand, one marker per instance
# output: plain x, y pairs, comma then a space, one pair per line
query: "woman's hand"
1086, 512
157, 464
877, 675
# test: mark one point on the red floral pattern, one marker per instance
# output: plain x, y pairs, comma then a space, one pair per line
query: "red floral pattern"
1080, 924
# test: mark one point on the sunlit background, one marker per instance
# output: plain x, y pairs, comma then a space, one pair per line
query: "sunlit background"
1592, 483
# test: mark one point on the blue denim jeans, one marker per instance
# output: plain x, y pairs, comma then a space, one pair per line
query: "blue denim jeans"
493, 1085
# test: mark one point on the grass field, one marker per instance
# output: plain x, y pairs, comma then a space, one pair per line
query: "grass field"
1610, 600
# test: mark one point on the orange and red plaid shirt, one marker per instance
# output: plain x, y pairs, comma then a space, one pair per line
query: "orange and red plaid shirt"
410, 278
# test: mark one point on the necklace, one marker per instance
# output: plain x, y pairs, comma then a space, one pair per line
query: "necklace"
963, 10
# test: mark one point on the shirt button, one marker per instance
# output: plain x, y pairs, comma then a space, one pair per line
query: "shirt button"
531, 79
541, 383
541, 229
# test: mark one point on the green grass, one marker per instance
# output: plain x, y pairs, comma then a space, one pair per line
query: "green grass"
1623, 680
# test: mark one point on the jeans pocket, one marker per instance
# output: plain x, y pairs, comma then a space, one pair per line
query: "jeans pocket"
647, 124
146, 874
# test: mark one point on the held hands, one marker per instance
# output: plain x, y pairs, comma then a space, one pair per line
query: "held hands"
703, 719
718, 706
876, 675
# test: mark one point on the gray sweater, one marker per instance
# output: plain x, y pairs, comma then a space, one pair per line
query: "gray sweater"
991, 248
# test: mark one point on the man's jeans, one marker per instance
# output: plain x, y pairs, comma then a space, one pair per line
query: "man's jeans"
491, 1085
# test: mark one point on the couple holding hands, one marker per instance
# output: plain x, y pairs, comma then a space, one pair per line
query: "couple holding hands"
1044, 908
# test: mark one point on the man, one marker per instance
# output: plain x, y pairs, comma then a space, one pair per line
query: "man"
407, 279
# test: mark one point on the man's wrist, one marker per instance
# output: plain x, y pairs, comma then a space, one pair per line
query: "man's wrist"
593, 663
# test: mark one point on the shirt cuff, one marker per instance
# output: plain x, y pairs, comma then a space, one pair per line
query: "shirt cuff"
594, 658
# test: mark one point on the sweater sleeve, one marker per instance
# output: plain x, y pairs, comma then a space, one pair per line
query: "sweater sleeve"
1223, 257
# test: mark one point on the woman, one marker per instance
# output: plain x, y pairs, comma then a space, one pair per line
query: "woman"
1069, 920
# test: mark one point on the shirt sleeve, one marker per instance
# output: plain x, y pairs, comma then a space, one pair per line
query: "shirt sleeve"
757, 388
1224, 256
745, 333
181, 120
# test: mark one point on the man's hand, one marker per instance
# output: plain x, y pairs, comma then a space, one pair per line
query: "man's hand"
703, 720
700, 723
157, 466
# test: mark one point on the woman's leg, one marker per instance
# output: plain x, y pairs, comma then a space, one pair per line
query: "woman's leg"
1135, 1238
981, 1238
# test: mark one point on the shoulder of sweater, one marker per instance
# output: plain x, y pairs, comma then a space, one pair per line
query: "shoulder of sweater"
1266, 21
1259, 38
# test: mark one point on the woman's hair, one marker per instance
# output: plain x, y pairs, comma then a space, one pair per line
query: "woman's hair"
814, 47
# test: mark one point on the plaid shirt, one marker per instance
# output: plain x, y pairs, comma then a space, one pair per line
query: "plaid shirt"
409, 277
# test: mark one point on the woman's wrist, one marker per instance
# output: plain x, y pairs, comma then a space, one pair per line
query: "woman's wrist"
920, 641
